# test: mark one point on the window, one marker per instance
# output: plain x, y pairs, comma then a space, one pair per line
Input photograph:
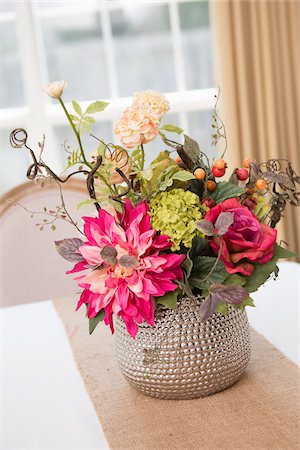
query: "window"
105, 50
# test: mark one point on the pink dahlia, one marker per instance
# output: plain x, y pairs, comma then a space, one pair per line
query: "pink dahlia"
129, 265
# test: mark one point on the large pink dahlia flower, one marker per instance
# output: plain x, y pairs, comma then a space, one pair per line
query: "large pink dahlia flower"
129, 266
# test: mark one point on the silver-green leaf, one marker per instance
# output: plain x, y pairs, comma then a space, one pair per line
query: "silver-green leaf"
206, 227
223, 222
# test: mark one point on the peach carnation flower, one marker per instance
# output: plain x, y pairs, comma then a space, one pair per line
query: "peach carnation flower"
135, 128
153, 103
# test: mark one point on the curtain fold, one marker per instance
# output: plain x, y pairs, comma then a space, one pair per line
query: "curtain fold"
257, 65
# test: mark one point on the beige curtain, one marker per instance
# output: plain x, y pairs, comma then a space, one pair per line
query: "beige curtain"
257, 65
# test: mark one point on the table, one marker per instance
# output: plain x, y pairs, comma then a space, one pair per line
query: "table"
44, 401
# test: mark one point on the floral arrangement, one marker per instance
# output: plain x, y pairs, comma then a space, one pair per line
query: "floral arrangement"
170, 230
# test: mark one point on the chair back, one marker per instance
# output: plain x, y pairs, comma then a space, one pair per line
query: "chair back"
31, 269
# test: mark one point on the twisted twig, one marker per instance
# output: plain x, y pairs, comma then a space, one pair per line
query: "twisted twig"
90, 181
35, 168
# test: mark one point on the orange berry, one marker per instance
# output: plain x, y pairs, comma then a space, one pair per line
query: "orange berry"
247, 162
210, 185
199, 174
178, 159
220, 164
261, 184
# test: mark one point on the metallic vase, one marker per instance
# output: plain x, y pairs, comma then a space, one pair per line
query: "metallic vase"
182, 357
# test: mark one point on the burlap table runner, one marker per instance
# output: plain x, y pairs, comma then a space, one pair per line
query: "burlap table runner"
261, 411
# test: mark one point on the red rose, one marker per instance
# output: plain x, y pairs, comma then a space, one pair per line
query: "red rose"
247, 240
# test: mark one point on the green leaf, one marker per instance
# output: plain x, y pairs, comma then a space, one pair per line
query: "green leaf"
222, 308
89, 119
262, 272
235, 279
162, 156
247, 302
226, 190
187, 265
202, 266
74, 118
101, 149
87, 202
168, 300
77, 108
74, 158
200, 246
281, 252
197, 186
136, 157
95, 107
171, 175
260, 275
172, 128
183, 175
85, 126
147, 174
93, 322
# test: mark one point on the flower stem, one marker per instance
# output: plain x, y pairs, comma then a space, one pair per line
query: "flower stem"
143, 157
75, 132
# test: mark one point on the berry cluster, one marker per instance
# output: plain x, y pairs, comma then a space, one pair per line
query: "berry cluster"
243, 174
218, 170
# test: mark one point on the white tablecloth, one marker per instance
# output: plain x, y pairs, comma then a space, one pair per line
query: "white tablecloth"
44, 404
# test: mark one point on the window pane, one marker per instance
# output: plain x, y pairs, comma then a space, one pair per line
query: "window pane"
10, 69
75, 53
200, 130
13, 162
7, 6
197, 45
143, 49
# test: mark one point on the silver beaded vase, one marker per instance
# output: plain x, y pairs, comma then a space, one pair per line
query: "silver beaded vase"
182, 357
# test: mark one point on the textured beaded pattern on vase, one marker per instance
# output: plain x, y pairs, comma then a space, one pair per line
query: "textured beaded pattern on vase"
182, 357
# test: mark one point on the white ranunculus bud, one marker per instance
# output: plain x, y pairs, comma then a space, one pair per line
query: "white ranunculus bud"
55, 89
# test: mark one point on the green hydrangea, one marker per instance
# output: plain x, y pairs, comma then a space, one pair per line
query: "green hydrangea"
175, 213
